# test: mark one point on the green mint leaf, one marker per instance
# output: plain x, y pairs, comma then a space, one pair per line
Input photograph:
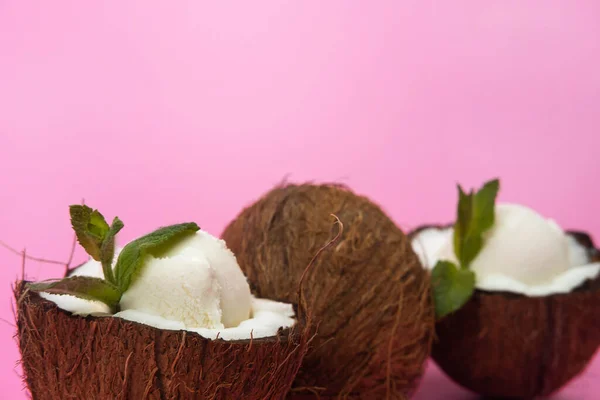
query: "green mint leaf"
461, 226
484, 202
90, 227
84, 287
475, 215
452, 287
132, 256
107, 250
97, 225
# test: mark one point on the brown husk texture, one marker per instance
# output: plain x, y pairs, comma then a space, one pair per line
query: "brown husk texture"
506, 345
368, 294
72, 357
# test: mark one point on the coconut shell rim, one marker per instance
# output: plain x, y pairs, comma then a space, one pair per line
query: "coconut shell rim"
582, 237
293, 333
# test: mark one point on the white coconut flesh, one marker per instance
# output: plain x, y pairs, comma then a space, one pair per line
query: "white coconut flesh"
523, 253
196, 286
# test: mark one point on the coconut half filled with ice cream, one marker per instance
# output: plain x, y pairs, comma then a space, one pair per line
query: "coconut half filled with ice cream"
516, 297
170, 315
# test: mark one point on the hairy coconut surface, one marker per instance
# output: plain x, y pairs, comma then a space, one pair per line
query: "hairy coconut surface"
71, 357
505, 345
368, 294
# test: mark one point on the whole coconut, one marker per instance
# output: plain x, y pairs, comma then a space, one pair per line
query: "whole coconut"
368, 294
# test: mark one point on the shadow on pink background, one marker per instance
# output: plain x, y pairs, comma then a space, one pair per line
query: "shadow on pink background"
161, 113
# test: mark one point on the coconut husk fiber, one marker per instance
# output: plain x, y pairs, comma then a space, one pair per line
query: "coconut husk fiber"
72, 357
368, 294
504, 345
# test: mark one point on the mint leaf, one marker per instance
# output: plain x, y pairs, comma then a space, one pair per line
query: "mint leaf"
97, 225
84, 287
475, 215
90, 228
107, 249
452, 287
132, 256
484, 202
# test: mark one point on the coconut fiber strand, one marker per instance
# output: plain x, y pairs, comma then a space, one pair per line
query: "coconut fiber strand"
513, 346
368, 294
72, 357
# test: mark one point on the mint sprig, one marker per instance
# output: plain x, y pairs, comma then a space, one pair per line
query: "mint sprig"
96, 236
90, 228
107, 250
453, 285
475, 216
84, 287
98, 239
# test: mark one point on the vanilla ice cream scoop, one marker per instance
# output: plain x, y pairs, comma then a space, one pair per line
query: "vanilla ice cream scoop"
177, 288
521, 244
234, 296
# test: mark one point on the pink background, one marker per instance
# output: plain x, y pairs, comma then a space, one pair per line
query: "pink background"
162, 113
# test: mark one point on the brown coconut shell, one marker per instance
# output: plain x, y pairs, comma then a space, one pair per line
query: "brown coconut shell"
505, 345
368, 294
67, 356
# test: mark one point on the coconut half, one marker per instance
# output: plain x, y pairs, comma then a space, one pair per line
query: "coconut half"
152, 348
517, 338
368, 294
71, 356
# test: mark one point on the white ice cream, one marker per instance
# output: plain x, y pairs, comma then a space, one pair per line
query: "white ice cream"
523, 252
180, 288
196, 286
521, 244
233, 289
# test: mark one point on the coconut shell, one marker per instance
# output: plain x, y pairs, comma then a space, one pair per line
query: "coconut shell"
67, 356
368, 294
505, 345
